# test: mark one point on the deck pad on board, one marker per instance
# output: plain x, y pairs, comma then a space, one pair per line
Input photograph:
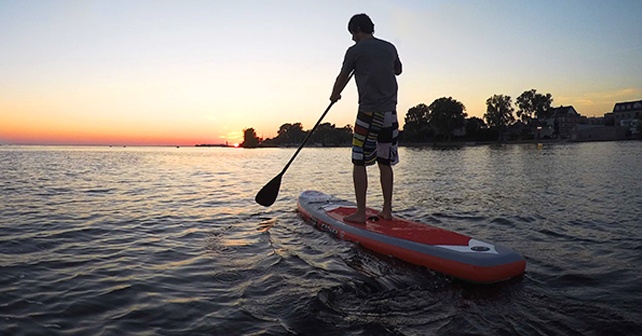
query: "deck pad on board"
400, 228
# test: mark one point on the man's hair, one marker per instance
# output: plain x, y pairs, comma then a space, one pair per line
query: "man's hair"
361, 23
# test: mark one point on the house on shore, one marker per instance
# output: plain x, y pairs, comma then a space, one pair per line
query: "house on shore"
620, 124
628, 115
560, 123
624, 112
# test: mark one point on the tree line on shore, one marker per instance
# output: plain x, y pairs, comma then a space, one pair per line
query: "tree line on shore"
439, 121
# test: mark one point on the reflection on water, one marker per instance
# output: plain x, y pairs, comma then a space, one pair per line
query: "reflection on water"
99, 240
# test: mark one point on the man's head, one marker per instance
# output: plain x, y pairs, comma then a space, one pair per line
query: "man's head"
360, 26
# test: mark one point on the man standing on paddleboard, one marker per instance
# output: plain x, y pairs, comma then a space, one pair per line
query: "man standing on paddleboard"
375, 63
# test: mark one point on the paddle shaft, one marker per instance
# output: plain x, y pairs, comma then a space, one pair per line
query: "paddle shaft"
306, 139
312, 131
267, 195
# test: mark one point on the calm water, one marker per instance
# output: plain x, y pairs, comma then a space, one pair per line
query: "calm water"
169, 241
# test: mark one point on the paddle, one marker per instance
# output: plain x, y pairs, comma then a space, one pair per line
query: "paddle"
267, 195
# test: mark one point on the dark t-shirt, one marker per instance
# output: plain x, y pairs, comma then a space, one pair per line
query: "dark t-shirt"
373, 61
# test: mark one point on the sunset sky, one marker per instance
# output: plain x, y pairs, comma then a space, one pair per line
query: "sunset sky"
188, 72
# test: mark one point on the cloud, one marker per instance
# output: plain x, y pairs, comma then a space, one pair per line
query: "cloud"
612, 96
233, 136
598, 103
623, 94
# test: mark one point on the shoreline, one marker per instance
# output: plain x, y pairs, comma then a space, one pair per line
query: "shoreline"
462, 143
439, 144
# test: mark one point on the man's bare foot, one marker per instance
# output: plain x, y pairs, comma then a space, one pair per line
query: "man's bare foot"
356, 218
387, 215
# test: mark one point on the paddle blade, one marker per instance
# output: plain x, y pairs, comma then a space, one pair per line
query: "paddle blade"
267, 195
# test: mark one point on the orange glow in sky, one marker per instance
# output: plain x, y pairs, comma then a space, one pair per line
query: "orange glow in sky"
193, 72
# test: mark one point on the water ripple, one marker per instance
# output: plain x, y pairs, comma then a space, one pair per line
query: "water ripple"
164, 241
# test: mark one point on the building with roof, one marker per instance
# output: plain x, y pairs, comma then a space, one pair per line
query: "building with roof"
627, 111
628, 115
562, 121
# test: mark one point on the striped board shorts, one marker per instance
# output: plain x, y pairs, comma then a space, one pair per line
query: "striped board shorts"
375, 139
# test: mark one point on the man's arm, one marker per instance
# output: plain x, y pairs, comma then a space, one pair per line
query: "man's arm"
339, 84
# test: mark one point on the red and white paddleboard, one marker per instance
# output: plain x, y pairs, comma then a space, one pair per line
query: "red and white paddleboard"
441, 250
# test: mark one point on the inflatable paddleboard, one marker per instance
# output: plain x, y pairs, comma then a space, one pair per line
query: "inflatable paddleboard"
441, 250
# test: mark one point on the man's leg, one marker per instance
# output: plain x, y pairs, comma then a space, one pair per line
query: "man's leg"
386, 157
360, 179
364, 146
387, 179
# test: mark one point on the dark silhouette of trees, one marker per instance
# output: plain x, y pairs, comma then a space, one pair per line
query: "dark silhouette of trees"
532, 105
474, 125
446, 115
499, 113
328, 135
424, 123
250, 140
435, 122
477, 130
416, 124
291, 133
